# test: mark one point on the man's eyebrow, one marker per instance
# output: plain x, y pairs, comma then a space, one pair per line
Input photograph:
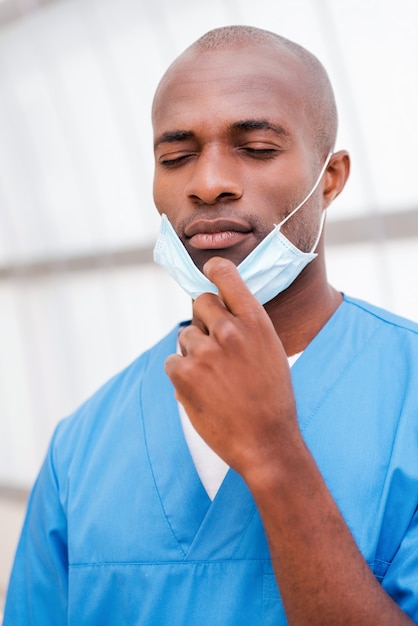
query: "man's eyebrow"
171, 136
260, 124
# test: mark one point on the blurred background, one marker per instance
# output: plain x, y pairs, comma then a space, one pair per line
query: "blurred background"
79, 294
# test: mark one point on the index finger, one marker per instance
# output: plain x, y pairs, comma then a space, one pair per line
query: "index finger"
232, 289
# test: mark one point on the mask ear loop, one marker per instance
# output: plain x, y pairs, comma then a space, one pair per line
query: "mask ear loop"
321, 173
321, 226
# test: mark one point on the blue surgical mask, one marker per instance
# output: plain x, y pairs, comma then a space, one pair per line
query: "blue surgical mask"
268, 270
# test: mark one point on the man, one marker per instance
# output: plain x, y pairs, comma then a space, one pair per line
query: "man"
299, 505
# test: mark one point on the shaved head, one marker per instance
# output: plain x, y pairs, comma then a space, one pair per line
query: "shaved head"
318, 93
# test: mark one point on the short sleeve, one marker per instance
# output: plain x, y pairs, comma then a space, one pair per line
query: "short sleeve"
401, 578
37, 591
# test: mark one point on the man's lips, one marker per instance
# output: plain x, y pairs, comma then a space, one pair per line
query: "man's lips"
216, 234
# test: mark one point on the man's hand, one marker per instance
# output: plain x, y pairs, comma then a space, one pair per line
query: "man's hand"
233, 378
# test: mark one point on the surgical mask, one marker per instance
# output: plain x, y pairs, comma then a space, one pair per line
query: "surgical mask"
268, 270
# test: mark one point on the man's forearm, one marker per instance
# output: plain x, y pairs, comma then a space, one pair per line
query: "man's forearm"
322, 576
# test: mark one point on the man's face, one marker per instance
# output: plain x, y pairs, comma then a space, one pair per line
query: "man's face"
233, 151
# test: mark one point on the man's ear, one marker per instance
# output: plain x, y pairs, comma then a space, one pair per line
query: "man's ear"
336, 176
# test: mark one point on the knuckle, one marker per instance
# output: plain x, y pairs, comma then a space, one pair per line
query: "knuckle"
226, 331
202, 354
256, 315
205, 300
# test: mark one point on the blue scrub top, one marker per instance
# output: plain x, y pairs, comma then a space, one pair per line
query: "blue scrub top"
120, 530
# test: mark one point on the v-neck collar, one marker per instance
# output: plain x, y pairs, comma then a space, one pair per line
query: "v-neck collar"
325, 360
188, 510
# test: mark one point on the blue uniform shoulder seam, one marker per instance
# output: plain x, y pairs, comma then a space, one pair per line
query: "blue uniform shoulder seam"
385, 316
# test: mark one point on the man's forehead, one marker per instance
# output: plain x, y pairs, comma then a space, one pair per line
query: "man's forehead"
248, 77
203, 64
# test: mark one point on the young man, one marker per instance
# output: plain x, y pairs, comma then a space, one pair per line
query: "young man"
264, 495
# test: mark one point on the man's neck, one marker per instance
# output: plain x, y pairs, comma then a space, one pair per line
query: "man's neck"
299, 313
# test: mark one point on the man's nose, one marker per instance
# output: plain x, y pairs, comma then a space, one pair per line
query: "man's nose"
214, 176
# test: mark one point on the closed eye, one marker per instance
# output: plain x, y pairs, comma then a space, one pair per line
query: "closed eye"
174, 161
260, 153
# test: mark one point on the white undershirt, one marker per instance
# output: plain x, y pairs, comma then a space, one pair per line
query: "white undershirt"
209, 466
